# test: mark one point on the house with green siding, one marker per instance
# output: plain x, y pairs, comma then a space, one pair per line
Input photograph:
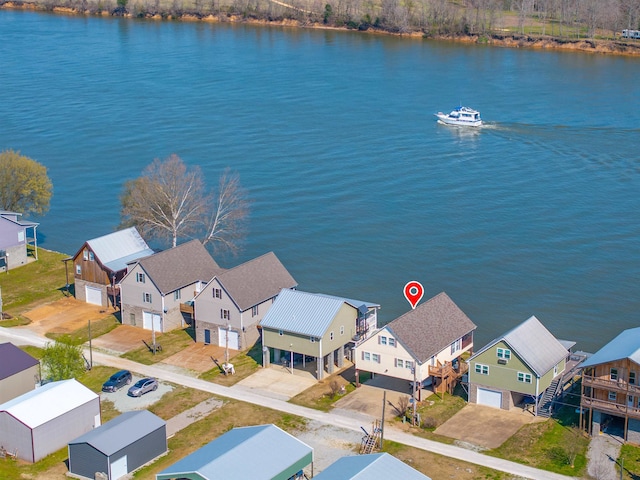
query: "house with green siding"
313, 329
517, 368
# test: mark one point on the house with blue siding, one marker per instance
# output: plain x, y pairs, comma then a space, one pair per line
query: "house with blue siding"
18, 240
374, 466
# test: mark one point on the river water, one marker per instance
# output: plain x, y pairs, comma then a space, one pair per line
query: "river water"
353, 184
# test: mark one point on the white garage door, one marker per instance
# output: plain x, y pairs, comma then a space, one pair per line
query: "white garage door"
119, 468
489, 398
148, 318
233, 338
93, 295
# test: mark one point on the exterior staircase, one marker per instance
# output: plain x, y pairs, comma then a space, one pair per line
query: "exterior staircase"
545, 408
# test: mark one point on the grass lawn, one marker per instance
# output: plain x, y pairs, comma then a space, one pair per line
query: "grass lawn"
36, 283
172, 342
81, 335
244, 364
630, 460
326, 392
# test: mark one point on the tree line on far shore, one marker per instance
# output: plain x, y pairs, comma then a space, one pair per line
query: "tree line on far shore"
562, 19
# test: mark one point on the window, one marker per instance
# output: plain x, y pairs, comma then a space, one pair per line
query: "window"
408, 364
78, 270
177, 295
455, 346
217, 293
21, 236
91, 256
280, 332
482, 369
146, 297
140, 277
612, 396
392, 342
224, 314
341, 329
375, 357
254, 311
330, 335
504, 353
614, 374
366, 356
524, 377
399, 363
383, 340
85, 255
312, 339
632, 378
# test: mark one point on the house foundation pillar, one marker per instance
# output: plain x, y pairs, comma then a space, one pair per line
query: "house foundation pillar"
330, 362
320, 361
341, 356
276, 355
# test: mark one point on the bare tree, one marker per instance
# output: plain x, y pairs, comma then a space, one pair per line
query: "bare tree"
227, 219
167, 201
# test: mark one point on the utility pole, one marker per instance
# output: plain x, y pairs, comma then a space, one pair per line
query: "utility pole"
384, 404
90, 349
413, 419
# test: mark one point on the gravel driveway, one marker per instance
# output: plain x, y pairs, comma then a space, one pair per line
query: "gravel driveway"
125, 403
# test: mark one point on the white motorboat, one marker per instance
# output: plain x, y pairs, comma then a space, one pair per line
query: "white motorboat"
461, 116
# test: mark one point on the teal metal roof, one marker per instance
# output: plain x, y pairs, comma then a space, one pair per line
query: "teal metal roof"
263, 452
377, 466
625, 345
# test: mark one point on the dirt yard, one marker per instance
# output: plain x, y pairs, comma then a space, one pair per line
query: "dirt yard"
64, 316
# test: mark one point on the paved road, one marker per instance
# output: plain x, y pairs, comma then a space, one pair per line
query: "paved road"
25, 336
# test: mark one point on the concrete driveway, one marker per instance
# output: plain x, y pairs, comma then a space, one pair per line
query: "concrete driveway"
277, 382
485, 426
367, 399
199, 357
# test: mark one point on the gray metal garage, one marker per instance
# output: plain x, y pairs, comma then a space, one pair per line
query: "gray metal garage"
119, 446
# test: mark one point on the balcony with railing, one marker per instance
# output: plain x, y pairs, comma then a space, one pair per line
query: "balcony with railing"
447, 370
611, 407
611, 385
187, 307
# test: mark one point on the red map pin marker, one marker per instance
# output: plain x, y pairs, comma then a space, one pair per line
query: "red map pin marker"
413, 292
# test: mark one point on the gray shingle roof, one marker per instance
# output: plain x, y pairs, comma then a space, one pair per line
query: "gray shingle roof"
123, 430
180, 266
625, 345
302, 313
117, 249
255, 281
375, 466
534, 344
256, 453
14, 360
431, 327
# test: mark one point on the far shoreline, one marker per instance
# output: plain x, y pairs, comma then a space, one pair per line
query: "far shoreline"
628, 48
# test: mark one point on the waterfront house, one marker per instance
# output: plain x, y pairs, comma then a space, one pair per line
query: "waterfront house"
18, 240
118, 447
322, 328
101, 263
261, 452
229, 308
19, 372
610, 393
154, 287
44, 420
424, 345
523, 365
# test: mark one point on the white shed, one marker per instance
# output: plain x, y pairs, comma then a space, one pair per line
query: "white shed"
44, 420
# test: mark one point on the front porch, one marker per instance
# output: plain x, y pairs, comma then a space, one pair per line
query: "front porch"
292, 361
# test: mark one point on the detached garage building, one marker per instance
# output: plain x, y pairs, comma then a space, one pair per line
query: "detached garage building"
19, 372
119, 447
263, 452
44, 420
